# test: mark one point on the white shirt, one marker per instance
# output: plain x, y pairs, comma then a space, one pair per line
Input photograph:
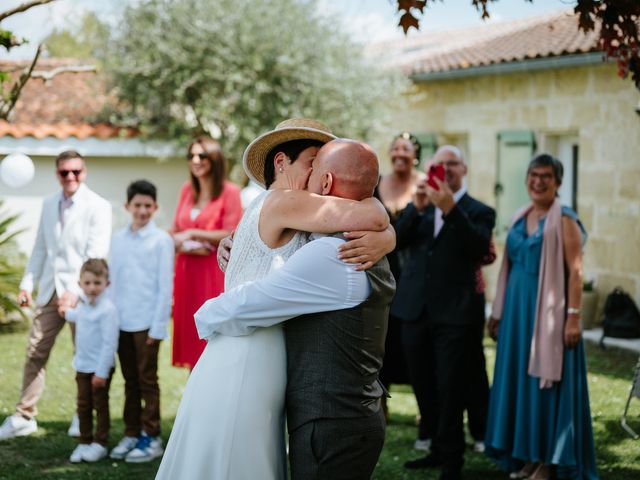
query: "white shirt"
312, 280
64, 206
96, 335
439, 221
141, 264
58, 253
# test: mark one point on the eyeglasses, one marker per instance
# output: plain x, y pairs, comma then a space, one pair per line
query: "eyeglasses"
202, 156
451, 163
65, 173
545, 177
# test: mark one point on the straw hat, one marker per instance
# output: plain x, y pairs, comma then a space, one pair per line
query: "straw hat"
292, 129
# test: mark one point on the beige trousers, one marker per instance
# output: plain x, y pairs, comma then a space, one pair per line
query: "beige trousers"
44, 330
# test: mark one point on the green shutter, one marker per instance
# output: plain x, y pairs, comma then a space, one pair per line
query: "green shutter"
515, 150
429, 144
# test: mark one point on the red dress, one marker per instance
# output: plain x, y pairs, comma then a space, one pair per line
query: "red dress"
197, 277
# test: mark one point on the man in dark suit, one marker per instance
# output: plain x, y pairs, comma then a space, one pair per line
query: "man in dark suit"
448, 233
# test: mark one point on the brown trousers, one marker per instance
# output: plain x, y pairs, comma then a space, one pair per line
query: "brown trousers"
44, 330
139, 364
92, 398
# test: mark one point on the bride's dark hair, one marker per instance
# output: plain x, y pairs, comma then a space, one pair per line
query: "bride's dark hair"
292, 150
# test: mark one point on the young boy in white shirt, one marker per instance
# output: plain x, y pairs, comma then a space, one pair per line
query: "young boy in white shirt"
96, 322
142, 283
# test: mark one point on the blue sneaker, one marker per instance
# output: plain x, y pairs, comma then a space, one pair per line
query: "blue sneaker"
147, 449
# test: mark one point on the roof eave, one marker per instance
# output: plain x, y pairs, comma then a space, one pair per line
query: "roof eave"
529, 65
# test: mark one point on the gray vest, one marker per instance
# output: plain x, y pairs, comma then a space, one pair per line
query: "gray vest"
334, 358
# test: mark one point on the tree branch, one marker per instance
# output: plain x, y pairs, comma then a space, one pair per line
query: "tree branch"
23, 8
7, 106
47, 75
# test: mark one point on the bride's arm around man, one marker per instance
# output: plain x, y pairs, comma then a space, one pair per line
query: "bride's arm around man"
334, 337
313, 279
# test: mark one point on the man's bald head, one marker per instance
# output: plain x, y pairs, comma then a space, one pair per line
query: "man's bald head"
345, 168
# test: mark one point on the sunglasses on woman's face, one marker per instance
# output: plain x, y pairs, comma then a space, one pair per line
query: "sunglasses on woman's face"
65, 173
202, 156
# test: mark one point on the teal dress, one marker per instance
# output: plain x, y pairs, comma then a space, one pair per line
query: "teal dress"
526, 423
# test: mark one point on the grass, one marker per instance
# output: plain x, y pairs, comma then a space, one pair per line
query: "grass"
45, 454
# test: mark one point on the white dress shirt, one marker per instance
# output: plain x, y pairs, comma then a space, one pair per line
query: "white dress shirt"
141, 264
97, 334
59, 252
312, 280
64, 206
439, 221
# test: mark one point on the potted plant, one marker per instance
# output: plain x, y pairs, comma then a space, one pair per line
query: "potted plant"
589, 304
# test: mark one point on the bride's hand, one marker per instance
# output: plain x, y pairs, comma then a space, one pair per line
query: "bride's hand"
367, 248
224, 252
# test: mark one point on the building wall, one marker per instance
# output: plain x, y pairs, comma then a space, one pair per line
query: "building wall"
108, 177
589, 102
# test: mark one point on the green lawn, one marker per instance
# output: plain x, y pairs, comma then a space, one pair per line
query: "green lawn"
45, 455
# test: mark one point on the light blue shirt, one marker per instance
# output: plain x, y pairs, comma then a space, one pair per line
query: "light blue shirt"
312, 280
96, 335
141, 272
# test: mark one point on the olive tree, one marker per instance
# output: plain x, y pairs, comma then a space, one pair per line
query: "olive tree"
235, 68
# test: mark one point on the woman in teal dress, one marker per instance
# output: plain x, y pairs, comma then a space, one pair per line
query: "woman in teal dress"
539, 423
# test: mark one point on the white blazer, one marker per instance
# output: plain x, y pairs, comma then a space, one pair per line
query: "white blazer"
59, 252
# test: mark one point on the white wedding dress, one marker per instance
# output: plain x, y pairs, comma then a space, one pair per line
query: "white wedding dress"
230, 423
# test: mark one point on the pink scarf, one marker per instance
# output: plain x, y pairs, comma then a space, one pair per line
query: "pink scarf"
547, 344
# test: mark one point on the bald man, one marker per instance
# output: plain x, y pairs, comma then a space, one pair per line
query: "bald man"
345, 168
336, 326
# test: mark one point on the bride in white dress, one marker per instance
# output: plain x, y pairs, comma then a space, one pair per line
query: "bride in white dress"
230, 423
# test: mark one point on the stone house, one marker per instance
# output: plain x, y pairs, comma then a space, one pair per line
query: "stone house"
507, 90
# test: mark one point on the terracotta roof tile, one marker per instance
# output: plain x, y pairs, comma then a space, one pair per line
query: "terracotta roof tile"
548, 35
61, 131
68, 105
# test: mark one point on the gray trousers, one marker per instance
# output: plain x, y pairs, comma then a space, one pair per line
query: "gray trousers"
336, 448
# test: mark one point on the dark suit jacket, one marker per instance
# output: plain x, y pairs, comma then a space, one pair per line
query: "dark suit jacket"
439, 278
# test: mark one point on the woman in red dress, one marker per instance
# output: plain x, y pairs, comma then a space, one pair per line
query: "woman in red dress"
208, 210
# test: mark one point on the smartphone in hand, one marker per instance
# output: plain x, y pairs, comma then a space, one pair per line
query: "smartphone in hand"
435, 171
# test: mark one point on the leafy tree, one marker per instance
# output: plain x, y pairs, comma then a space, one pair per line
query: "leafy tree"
12, 82
235, 68
11, 87
619, 33
86, 40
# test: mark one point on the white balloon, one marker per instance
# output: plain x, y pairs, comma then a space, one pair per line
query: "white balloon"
16, 170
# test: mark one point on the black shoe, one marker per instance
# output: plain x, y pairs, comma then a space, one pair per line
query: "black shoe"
430, 461
450, 474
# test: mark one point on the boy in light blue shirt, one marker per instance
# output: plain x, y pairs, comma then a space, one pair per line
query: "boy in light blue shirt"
142, 285
96, 320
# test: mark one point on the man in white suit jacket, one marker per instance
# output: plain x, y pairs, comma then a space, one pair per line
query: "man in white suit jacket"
75, 225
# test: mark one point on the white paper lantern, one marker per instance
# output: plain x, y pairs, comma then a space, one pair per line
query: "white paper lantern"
16, 170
